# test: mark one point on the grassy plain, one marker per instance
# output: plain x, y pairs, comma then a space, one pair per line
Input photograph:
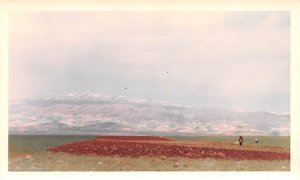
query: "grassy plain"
274, 141
28, 153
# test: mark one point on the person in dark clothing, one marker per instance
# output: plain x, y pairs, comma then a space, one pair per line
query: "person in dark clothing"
241, 140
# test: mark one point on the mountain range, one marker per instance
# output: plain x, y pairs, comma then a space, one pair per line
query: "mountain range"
98, 114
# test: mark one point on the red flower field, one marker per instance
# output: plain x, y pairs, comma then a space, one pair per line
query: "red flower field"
141, 146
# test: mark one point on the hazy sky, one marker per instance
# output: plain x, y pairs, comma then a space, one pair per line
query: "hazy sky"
231, 60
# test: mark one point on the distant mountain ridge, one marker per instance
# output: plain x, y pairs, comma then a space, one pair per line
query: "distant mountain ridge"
94, 113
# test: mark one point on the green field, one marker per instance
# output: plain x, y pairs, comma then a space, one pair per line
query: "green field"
28, 153
36, 143
33, 143
275, 141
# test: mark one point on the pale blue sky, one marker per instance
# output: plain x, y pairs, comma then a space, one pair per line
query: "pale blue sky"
231, 60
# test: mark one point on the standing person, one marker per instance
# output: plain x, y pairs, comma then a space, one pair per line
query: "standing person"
256, 140
241, 140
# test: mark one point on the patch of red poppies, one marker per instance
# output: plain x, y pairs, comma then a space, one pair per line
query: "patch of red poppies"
126, 147
134, 138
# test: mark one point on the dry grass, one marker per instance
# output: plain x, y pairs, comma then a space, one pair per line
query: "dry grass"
219, 145
45, 161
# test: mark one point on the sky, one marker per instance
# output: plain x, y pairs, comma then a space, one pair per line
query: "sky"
231, 60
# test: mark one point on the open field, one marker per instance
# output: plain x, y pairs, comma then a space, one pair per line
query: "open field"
20, 144
43, 161
29, 153
166, 148
274, 141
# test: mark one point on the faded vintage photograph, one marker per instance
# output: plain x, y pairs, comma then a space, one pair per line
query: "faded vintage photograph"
149, 91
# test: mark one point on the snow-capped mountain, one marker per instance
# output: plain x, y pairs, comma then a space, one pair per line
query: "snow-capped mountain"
93, 113
96, 97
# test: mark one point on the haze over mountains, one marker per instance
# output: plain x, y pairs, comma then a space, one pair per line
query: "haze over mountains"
94, 114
